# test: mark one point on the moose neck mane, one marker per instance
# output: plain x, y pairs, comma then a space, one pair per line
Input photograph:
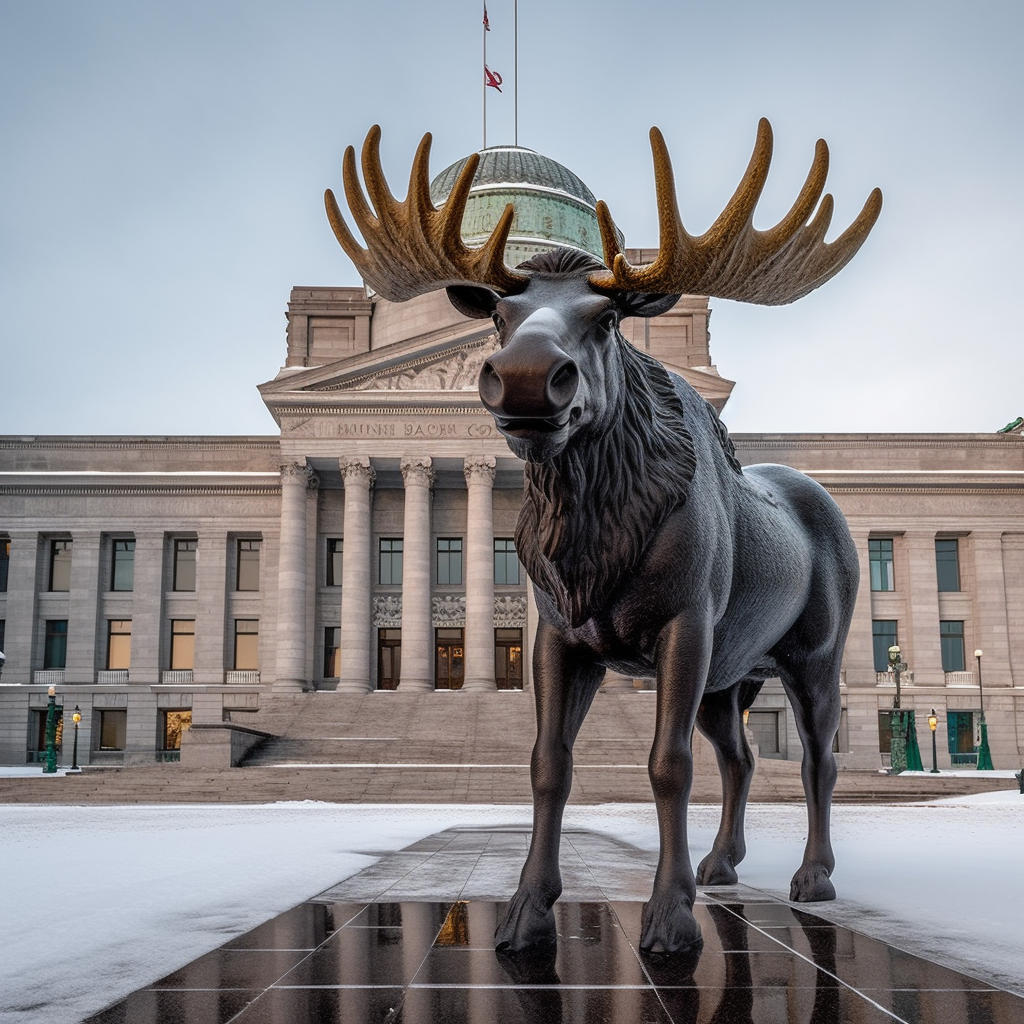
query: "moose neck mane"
589, 513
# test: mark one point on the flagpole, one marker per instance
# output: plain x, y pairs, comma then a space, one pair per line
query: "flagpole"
515, 36
483, 77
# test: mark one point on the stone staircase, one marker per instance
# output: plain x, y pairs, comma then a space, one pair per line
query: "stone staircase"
448, 747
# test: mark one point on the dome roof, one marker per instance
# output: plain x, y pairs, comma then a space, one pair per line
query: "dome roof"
553, 206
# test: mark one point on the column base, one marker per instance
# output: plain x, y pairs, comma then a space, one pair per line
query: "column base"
288, 686
480, 686
416, 685
353, 686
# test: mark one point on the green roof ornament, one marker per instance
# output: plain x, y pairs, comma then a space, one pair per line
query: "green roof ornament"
1012, 426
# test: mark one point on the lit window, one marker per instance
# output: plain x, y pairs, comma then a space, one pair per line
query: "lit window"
880, 557
449, 561
175, 723
119, 644
248, 576
951, 641
183, 644
335, 552
113, 730
332, 652
508, 659
55, 650
947, 564
60, 565
247, 643
883, 636
389, 658
390, 573
185, 564
506, 562
122, 572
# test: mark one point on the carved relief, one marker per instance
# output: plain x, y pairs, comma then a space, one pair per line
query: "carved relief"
457, 372
387, 612
448, 612
509, 611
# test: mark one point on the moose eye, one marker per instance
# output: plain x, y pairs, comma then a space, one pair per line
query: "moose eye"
609, 321
499, 323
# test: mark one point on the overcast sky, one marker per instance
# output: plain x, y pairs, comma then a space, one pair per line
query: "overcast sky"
164, 163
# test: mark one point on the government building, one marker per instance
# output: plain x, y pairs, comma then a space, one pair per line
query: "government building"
157, 582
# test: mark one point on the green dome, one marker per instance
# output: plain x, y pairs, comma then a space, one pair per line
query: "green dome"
553, 206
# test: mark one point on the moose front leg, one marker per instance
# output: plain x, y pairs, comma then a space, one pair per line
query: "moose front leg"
565, 681
684, 653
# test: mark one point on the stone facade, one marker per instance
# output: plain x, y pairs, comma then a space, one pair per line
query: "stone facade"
282, 554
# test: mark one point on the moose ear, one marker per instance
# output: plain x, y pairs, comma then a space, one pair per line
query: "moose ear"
471, 300
644, 304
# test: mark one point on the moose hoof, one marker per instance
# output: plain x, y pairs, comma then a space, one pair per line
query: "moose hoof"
668, 927
717, 869
524, 925
811, 884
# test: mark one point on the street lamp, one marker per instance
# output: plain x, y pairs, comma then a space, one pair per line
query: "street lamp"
896, 667
76, 717
904, 753
933, 721
50, 767
984, 754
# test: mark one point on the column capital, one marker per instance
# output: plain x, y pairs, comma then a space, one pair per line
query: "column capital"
357, 469
479, 469
417, 469
300, 473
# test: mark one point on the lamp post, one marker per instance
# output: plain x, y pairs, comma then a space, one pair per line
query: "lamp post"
984, 754
933, 721
897, 741
51, 732
76, 717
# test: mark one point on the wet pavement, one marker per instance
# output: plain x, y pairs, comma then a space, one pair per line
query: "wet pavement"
410, 940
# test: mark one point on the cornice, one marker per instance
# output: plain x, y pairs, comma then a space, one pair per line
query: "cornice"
422, 409
141, 490
87, 443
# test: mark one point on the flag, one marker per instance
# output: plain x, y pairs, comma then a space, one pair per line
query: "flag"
492, 78
487, 23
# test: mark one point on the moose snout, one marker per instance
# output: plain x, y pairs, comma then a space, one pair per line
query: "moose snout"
531, 378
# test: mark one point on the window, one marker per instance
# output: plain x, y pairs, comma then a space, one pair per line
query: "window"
185, 564
880, 557
947, 564
3, 630
174, 724
247, 576
506, 562
113, 730
764, 727
883, 636
119, 643
449, 664
55, 650
60, 565
332, 652
389, 658
951, 640
38, 734
449, 561
884, 731
335, 552
183, 644
508, 659
247, 642
390, 561
122, 570
5, 562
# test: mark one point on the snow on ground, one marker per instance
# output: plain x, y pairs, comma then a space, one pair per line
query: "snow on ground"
98, 901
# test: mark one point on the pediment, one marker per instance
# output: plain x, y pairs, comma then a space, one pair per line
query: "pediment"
449, 365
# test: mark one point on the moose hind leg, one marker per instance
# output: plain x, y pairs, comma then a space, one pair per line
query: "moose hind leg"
565, 683
719, 718
814, 695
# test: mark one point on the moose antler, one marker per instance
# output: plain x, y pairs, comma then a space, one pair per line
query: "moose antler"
413, 247
732, 259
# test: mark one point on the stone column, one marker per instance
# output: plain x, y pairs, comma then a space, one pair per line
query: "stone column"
479, 639
922, 650
28, 553
991, 627
417, 642
147, 606
214, 634
358, 475
296, 480
83, 610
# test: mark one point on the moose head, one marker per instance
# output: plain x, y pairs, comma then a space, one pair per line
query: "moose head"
558, 313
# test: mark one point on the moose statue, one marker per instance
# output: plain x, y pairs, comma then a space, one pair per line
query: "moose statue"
651, 551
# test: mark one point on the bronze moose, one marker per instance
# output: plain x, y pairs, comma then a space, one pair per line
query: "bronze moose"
652, 552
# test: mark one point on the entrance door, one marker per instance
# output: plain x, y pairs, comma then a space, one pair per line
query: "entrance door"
449, 670
389, 658
508, 659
